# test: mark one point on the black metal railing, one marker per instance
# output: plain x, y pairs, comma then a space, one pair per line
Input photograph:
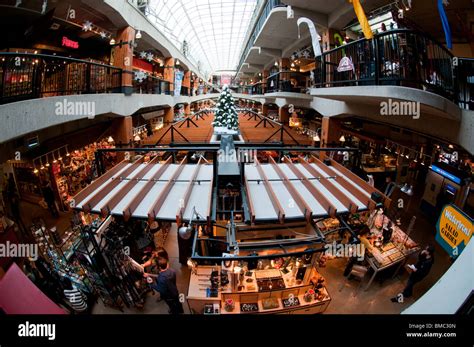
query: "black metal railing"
465, 78
151, 85
256, 89
286, 81
399, 57
27, 76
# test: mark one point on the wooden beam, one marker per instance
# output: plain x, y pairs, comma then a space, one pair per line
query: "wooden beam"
132, 206
89, 205
302, 205
187, 194
317, 194
350, 205
164, 193
360, 182
109, 205
271, 194
87, 191
344, 183
250, 203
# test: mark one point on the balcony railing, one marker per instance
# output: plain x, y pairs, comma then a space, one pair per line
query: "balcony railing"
286, 81
465, 77
27, 76
151, 85
398, 57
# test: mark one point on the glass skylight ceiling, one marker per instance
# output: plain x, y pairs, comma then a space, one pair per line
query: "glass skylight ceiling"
213, 29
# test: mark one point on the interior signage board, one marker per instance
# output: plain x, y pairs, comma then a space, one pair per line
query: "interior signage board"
453, 230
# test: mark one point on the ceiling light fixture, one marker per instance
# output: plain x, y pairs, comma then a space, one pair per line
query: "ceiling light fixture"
138, 35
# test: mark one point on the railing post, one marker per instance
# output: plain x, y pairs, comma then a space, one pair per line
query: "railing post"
375, 41
88, 78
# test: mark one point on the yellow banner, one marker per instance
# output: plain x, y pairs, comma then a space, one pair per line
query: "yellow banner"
364, 23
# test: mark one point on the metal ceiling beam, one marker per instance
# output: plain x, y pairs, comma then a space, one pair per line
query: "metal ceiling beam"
348, 203
317, 194
271, 194
344, 183
87, 191
115, 181
110, 205
187, 194
300, 202
132, 206
153, 213
360, 182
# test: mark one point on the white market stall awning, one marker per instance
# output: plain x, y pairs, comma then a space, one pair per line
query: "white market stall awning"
304, 189
151, 190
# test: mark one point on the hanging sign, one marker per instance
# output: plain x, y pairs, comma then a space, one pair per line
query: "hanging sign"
66, 42
454, 230
345, 64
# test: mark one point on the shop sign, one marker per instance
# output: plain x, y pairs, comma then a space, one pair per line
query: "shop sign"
69, 43
454, 230
446, 174
345, 64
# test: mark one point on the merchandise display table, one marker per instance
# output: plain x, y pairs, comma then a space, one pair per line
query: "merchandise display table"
400, 247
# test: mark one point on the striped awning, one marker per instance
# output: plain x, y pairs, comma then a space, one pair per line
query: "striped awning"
306, 189
153, 190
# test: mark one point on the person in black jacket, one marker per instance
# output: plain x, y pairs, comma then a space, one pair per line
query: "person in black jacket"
420, 271
48, 196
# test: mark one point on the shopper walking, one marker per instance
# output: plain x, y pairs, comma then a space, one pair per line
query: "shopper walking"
75, 298
420, 271
48, 196
166, 283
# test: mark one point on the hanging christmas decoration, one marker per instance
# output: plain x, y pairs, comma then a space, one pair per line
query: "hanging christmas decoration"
149, 56
445, 23
87, 26
103, 35
313, 32
143, 54
140, 76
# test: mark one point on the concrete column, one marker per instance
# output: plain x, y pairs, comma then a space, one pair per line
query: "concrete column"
169, 115
285, 65
265, 74
187, 81
187, 110
284, 115
168, 74
123, 57
264, 109
330, 133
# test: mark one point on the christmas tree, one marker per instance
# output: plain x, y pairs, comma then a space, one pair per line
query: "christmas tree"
225, 116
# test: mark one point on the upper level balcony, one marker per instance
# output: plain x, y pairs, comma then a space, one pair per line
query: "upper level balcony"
394, 58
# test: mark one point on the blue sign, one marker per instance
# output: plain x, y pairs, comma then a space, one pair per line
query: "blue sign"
446, 174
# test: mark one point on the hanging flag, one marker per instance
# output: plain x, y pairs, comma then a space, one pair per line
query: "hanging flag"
445, 23
314, 34
364, 23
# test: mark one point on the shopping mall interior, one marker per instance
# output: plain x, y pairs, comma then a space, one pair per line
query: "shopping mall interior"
222, 157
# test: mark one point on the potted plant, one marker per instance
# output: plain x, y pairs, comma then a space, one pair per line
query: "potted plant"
229, 305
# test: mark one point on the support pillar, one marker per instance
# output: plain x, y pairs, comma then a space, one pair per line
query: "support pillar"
265, 74
122, 57
169, 115
284, 115
122, 132
330, 133
168, 73
187, 82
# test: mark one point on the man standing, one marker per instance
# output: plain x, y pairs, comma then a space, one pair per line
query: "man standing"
420, 271
166, 284
48, 196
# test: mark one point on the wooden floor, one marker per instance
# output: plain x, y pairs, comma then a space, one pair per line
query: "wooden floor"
184, 132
